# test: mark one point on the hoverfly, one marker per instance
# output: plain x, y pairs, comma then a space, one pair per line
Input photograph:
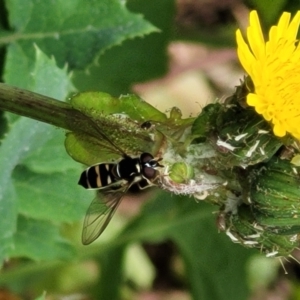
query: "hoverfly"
113, 180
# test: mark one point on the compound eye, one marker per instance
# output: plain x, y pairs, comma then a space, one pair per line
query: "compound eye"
146, 158
149, 172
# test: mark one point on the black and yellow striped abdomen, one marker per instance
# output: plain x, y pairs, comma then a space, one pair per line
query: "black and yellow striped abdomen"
98, 176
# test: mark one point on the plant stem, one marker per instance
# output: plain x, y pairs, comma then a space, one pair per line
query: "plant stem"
44, 109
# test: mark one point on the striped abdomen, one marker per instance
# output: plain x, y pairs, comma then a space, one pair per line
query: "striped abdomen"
98, 176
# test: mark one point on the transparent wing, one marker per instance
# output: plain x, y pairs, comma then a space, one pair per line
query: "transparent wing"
100, 212
114, 147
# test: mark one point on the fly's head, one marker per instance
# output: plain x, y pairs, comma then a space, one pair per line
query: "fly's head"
150, 167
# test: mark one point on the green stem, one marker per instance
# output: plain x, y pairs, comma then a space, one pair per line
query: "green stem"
44, 109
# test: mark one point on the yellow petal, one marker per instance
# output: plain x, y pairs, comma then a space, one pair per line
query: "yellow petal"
255, 36
245, 56
274, 67
279, 130
252, 99
283, 25
294, 27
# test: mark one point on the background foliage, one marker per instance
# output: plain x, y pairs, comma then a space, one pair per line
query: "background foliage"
57, 48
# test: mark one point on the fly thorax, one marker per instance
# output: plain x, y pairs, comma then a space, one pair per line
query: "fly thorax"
128, 168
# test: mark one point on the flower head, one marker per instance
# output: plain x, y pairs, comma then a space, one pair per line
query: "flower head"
274, 67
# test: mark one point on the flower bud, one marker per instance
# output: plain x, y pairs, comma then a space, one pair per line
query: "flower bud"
181, 172
270, 221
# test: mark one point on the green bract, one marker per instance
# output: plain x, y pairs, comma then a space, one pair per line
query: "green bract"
270, 221
260, 200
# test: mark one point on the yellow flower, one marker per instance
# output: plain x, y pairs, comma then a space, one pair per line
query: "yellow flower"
274, 67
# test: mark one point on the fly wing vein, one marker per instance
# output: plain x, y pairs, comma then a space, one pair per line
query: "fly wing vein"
99, 214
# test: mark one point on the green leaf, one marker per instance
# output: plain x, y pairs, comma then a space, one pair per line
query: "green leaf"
42, 297
55, 197
88, 150
111, 267
13, 148
135, 60
40, 240
75, 32
138, 267
118, 128
213, 264
25, 143
205, 253
3, 125
45, 77
50, 157
17, 66
118, 125
48, 79
8, 221
94, 103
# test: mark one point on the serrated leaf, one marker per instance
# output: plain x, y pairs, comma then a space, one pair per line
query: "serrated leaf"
55, 197
40, 240
73, 31
48, 79
45, 77
136, 60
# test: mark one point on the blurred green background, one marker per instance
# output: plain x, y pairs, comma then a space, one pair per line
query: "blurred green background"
158, 246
